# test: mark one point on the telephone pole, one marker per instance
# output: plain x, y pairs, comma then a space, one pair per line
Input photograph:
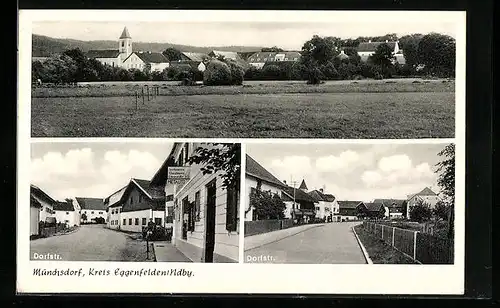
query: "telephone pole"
293, 183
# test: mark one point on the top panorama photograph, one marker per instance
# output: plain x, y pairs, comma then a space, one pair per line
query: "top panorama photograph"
243, 79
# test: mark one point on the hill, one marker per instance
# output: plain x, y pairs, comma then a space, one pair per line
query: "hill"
44, 46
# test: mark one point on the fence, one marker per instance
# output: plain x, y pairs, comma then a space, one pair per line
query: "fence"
264, 226
149, 93
421, 247
49, 231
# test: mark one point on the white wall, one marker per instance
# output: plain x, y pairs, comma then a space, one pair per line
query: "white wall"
93, 214
133, 62
258, 65
430, 200
114, 217
251, 182
71, 218
110, 61
159, 67
34, 220
147, 214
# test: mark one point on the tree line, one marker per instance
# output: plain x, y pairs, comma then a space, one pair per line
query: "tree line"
430, 55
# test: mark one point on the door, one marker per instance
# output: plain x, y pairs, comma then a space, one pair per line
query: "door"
210, 223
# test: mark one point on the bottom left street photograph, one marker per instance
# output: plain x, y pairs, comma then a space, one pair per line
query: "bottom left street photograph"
135, 201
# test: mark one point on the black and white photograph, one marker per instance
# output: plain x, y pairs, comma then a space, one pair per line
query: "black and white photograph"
142, 202
349, 203
254, 79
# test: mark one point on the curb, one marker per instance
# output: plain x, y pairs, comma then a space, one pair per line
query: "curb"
363, 249
290, 235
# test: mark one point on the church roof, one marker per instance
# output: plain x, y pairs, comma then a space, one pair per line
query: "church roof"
151, 57
125, 34
104, 53
303, 185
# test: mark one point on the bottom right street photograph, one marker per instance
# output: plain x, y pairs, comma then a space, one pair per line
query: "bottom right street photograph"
317, 203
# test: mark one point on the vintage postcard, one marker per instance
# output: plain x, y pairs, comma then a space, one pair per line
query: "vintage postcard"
292, 152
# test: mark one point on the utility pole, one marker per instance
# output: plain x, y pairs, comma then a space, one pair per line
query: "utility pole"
293, 183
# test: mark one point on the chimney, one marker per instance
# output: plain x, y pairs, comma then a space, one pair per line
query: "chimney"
284, 182
321, 190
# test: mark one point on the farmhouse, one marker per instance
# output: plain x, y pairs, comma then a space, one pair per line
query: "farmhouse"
349, 210
114, 207
396, 206
44, 203
373, 210
214, 54
35, 207
196, 59
426, 196
257, 177
299, 203
114, 57
203, 213
140, 203
67, 213
366, 49
327, 207
259, 59
153, 61
91, 209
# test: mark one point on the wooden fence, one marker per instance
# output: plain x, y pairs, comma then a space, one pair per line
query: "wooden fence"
421, 247
148, 93
264, 226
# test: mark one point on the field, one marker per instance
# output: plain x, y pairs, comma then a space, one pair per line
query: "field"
339, 109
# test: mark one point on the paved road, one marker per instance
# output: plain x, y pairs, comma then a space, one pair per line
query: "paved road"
332, 243
90, 243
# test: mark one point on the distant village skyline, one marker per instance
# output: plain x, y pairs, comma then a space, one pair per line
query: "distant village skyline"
285, 35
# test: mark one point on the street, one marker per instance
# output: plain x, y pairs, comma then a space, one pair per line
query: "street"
332, 243
90, 243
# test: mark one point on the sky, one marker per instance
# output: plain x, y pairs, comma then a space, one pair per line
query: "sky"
356, 172
68, 170
286, 35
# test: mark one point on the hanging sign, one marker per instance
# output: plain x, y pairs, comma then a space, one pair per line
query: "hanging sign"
178, 175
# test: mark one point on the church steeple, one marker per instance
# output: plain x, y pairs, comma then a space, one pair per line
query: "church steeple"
303, 186
125, 44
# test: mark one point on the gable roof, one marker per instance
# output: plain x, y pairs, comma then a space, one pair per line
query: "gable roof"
160, 177
150, 57
319, 196
104, 53
372, 46
91, 203
349, 204
254, 169
373, 207
125, 34
150, 191
424, 192
34, 202
303, 185
37, 192
299, 194
63, 206
390, 203
196, 56
226, 54
263, 56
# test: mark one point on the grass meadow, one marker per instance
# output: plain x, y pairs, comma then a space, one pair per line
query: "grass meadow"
344, 109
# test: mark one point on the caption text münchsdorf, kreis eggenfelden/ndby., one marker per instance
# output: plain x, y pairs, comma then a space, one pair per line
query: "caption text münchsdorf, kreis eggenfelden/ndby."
120, 272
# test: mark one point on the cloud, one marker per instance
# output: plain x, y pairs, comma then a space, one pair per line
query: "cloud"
335, 163
54, 165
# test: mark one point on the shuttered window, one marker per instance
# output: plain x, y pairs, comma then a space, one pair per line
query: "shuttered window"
232, 209
197, 203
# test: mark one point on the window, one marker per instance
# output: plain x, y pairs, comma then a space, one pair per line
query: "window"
137, 221
158, 221
131, 199
186, 151
232, 209
317, 208
170, 198
286, 59
117, 211
100, 212
67, 213
197, 205
123, 44
92, 212
181, 158
124, 222
130, 221
143, 221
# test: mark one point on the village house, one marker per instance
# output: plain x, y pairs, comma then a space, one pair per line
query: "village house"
114, 208
366, 49
257, 177
396, 207
203, 213
259, 59
35, 207
215, 54
197, 60
91, 209
373, 210
349, 210
327, 207
67, 212
139, 203
153, 61
425, 196
114, 57
46, 209
299, 204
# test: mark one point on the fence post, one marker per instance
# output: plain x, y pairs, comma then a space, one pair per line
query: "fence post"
382, 231
147, 89
393, 231
415, 245
142, 91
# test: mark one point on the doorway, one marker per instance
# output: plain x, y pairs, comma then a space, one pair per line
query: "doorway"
210, 222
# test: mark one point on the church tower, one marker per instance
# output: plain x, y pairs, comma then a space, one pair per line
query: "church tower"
125, 45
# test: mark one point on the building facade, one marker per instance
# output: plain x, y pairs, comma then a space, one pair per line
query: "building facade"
425, 196
46, 209
67, 212
327, 207
366, 49
35, 206
349, 210
203, 213
91, 209
259, 59
114, 207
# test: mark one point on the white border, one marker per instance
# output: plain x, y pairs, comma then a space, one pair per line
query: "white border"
241, 278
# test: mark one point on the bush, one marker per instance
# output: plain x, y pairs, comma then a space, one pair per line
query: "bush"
237, 72
420, 212
217, 73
